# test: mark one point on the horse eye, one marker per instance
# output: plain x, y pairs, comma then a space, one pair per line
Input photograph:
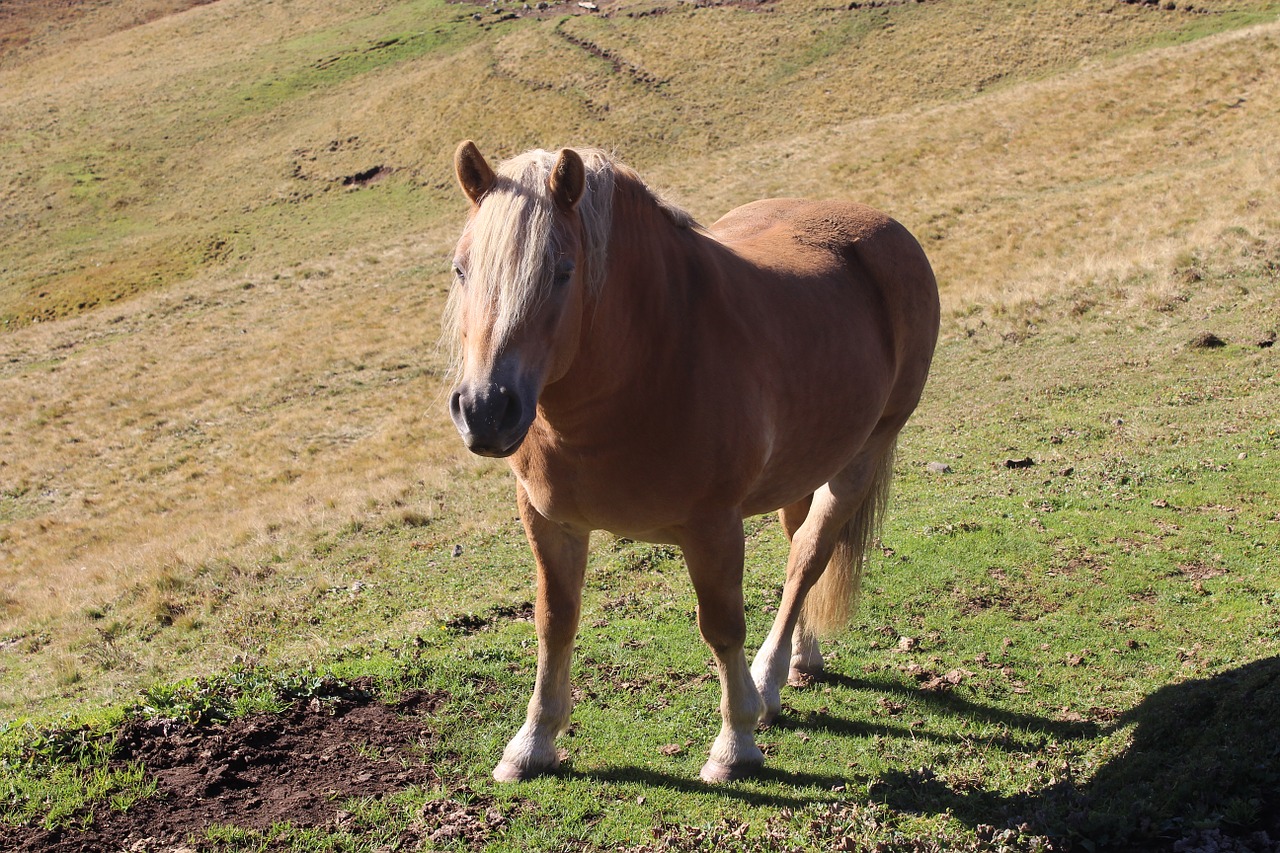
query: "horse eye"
564, 272
458, 274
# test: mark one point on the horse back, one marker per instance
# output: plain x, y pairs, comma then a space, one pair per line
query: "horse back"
847, 254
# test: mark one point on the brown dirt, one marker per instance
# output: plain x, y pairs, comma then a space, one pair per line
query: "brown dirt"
257, 771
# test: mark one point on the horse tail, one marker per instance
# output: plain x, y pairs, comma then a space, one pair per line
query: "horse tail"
834, 597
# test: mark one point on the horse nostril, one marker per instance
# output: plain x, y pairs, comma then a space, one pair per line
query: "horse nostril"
511, 411
455, 405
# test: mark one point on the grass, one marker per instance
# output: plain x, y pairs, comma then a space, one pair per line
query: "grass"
1028, 641
220, 447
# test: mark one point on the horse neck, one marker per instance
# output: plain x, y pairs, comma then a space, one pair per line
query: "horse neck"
636, 324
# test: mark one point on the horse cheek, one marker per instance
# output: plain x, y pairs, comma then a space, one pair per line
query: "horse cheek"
565, 333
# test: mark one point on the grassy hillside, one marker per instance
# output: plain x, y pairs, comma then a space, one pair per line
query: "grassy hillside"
223, 248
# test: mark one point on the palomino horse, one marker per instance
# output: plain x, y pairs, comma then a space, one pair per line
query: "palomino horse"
649, 377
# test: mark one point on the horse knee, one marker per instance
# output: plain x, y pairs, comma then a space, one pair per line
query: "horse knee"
724, 630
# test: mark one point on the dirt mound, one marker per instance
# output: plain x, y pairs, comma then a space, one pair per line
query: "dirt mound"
253, 772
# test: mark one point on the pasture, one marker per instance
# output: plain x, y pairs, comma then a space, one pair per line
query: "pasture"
228, 483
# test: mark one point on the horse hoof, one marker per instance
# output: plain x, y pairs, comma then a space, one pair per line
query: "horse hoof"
509, 771
803, 677
715, 773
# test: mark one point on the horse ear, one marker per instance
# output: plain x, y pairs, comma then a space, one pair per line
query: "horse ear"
474, 175
567, 180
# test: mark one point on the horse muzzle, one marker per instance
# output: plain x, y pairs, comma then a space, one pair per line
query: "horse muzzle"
492, 419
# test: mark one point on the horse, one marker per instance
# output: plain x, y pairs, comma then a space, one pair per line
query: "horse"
663, 381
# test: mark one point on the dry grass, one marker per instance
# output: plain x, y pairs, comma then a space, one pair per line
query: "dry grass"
269, 367
1095, 177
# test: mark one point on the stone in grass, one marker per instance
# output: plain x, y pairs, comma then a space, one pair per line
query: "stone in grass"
1025, 462
938, 468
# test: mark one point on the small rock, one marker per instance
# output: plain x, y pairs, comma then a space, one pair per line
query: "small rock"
1026, 462
938, 468
1269, 340
457, 550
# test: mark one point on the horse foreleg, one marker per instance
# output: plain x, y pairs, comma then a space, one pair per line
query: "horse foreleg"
714, 554
561, 557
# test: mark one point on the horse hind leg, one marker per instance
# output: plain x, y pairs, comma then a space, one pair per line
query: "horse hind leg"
823, 573
806, 657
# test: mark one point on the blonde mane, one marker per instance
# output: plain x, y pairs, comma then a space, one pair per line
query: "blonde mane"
514, 247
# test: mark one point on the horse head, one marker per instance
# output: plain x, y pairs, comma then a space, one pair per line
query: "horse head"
518, 293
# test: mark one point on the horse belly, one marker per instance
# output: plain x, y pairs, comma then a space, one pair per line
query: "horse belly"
803, 461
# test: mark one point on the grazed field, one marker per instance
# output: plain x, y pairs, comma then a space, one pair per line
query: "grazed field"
222, 261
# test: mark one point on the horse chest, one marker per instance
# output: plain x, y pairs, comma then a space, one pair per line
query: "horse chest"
626, 494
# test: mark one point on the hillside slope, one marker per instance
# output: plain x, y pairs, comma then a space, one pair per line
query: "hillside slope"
238, 136
232, 225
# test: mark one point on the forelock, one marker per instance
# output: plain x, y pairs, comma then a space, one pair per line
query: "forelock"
513, 242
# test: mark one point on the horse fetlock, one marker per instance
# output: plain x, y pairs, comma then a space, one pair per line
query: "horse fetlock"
772, 706
806, 663
767, 671
770, 699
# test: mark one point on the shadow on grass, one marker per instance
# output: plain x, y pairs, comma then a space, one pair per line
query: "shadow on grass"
1203, 768
941, 700
809, 787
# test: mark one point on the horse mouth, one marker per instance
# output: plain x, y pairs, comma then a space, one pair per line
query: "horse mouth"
493, 418
494, 447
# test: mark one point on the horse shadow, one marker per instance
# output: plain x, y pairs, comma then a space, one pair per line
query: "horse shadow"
1202, 768
802, 783
816, 787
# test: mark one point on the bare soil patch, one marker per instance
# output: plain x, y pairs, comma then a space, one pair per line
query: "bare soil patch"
298, 766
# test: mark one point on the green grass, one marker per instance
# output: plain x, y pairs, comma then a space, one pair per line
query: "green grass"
321, 61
